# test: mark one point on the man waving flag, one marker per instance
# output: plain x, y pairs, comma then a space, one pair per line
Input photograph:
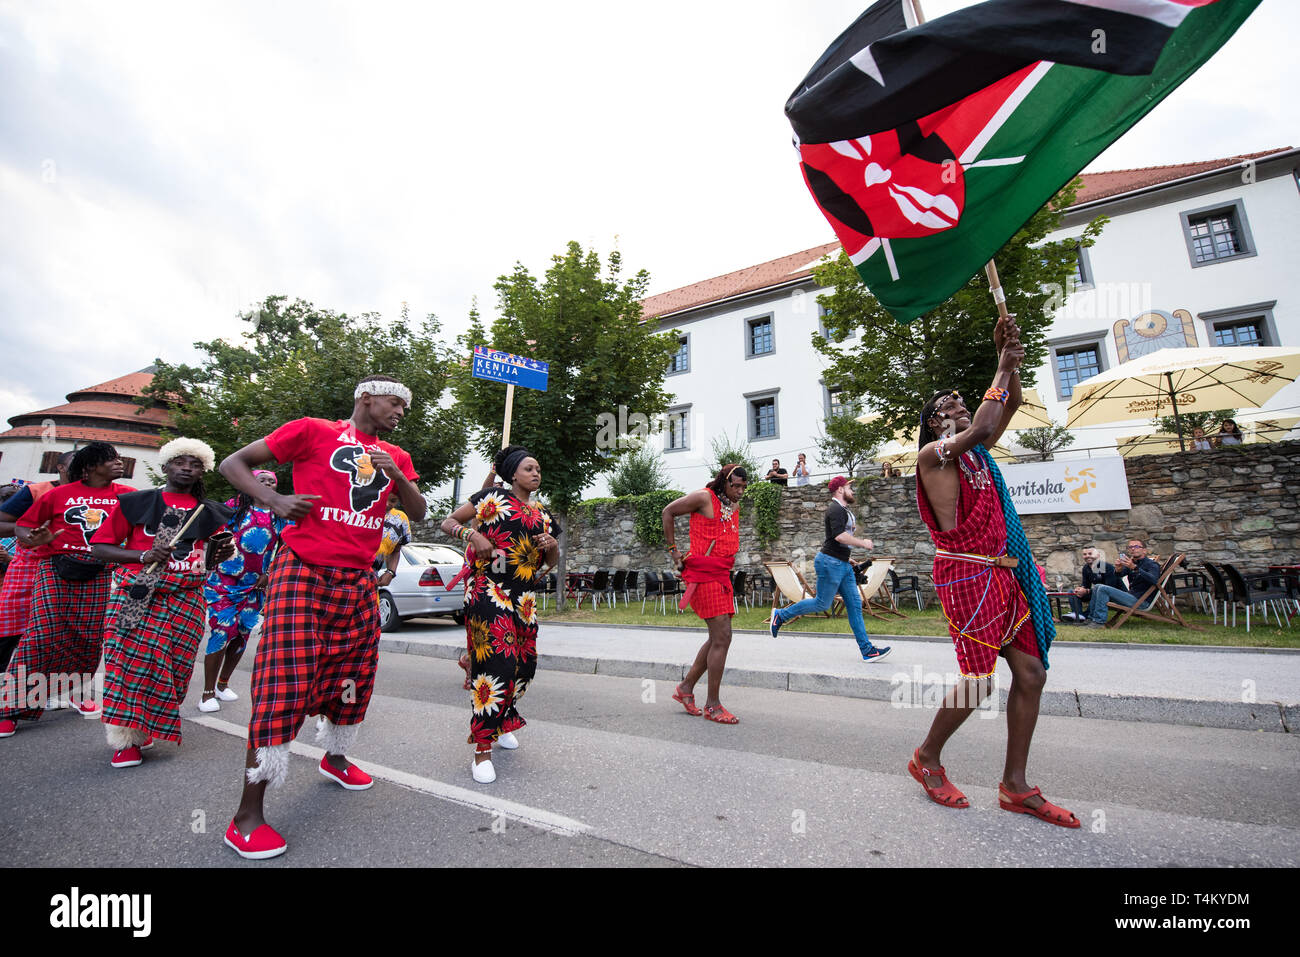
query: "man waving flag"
927, 148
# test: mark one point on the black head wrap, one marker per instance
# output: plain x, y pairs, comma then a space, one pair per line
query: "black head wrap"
509, 461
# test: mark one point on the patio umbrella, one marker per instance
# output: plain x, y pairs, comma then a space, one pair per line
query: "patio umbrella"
1269, 430
1163, 382
1032, 413
1147, 443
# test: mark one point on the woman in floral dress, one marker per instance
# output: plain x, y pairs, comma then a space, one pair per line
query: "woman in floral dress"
514, 543
236, 590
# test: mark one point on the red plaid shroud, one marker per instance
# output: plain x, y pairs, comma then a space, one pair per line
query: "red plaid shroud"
147, 671
319, 649
16, 593
984, 605
65, 631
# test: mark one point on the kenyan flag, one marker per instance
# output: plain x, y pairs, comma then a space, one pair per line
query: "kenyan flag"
927, 148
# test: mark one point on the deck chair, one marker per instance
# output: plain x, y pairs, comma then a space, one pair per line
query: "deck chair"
1162, 604
792, 586
870, 589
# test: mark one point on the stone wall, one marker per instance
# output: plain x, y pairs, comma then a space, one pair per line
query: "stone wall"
1237, 505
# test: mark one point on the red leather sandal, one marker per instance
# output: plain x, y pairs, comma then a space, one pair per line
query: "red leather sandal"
1047, 811
687, 701
720, 715
945, 793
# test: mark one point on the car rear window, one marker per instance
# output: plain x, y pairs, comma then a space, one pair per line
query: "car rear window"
431, 555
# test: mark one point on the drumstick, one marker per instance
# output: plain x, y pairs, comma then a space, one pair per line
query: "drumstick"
184, 528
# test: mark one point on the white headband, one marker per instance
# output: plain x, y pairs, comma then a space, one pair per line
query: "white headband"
383, 387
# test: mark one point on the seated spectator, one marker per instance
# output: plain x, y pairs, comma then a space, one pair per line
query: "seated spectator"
888, 471
1096, 571
801, 470
777, 475
1140, 572
1228, 434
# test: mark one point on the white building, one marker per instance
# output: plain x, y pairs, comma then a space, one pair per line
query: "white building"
106, 412
1194, 254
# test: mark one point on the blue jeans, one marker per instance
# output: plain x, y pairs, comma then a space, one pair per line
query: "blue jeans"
834, 576
1101, 594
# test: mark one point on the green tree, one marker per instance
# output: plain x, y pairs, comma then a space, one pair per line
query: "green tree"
734, 451
639, 472
1195, 420
894, 368
848, 443
605, 361
298, 360
1045, 440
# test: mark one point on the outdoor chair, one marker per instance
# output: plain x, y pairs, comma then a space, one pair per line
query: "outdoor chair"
1192, 583
670, 587
898, 584
616, 585
738, 590
630, 587
1256, 590
597, 585
869, 586
791, 586
654, 589
1155, 604
547, 589
1219, 594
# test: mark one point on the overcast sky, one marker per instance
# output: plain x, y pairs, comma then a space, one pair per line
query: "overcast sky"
165, 165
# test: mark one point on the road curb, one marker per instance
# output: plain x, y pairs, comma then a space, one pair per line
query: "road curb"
906, 692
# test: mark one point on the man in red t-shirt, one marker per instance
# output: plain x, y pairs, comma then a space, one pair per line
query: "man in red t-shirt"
60, 648
158, 538
320, 632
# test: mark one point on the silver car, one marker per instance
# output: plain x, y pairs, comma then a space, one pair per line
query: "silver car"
419, 589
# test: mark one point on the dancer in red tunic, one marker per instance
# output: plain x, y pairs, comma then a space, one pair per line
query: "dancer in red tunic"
706, 570
986, 609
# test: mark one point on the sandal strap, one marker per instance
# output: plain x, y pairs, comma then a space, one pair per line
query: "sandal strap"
1020, 798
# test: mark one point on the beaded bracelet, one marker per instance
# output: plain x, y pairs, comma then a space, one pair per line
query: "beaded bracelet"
997, 395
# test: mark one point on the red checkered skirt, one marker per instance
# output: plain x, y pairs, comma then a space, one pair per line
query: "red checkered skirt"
16, 593
147, 671
986, 611
64, 633
319, 649
712, 599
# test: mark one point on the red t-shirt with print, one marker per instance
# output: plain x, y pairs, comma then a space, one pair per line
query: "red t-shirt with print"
187, 558
332, 460
77, 510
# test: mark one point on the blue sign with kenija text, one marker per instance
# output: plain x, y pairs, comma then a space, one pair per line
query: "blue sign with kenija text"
497, 366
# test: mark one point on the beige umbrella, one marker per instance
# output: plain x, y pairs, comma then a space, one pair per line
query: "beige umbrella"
1269, 430
1032, 413
1147, 443
1170, 380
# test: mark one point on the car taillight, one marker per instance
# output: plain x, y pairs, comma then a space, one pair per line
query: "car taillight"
431, 577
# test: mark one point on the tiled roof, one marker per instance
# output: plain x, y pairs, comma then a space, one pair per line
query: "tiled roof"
753, 278
775, 272
139, 440
1102, 185
116, 411
132, 384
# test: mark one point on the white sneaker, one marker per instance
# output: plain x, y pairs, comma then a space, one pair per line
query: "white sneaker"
225, 694
508, 741
484, 773
212, 704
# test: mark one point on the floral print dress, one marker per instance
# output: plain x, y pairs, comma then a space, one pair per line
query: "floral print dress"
501, 610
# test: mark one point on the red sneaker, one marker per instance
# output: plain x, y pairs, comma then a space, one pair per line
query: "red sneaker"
148, 743
90, 707
354, 779
127, 758
8, 728
262, 843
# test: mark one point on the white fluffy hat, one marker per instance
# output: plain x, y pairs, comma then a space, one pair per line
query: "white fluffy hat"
183, 446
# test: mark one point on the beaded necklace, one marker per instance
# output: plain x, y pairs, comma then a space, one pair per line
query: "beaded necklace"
978, 477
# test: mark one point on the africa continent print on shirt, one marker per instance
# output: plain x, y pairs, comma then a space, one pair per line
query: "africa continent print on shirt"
86, 519
367, 482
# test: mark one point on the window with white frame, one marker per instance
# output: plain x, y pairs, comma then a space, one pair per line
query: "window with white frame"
681, 360
677, 430
1250, 325
1217, 233
1075, 359
760, 339
762, 415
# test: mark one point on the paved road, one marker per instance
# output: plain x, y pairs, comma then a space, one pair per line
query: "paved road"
612, 772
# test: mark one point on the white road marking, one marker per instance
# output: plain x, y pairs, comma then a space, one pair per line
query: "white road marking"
534, 817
